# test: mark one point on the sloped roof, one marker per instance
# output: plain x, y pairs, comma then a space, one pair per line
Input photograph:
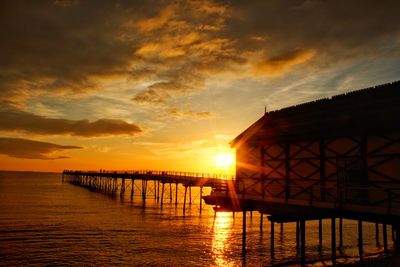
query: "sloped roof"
366, 111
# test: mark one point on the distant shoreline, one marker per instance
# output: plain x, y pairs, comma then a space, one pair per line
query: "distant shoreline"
29, 171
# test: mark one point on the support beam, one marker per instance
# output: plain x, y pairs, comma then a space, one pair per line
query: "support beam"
360, 240
297, 235
176, 194
201, 198
320, 235
261, 221
377, 234
162, 194
170, 192
303, 242
190, 195
132, 187
340, 233
184, 201
384, 233
244, 234
333, 240
272, 237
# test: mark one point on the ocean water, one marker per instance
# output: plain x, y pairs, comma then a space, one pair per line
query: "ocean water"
44, 222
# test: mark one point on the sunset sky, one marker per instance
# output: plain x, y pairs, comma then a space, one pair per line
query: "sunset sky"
167, 85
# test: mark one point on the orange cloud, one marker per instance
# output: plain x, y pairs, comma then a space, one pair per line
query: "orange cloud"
154, 23
283, 62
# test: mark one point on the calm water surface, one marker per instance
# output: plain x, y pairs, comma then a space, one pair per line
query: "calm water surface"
46, 222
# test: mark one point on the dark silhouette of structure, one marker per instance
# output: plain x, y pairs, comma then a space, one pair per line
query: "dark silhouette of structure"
337, 157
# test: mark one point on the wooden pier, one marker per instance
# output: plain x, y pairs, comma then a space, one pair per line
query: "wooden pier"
148, 184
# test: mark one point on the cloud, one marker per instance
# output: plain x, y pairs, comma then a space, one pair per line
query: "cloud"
179, 113
17, 120
283, 62
166, 50
30, 149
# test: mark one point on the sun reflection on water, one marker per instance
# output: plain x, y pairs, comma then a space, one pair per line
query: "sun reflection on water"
221, 234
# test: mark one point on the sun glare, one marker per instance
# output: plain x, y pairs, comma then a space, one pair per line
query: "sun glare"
224, 160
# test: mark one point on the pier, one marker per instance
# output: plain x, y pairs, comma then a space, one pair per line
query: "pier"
149, 184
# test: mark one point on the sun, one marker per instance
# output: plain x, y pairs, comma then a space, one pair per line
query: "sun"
224, 160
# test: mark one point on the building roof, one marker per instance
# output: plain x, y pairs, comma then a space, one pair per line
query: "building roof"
372, 110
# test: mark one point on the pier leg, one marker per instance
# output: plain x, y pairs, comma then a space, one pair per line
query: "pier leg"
303, 242
244, 234
201, 197
251, 215
132, 188
320, 235
377, 234
333, 240
297, 235
184, 201
162, 194
170, 192
176, 194
281, 228
397, 238
272, 237
384, 233
190, 195
360, 240
155, 189
393, 233
340, 233
261, 222
158, 190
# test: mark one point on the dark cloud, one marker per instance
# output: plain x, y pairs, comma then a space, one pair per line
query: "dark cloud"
30, 149
16, 120
336, 30
173, 46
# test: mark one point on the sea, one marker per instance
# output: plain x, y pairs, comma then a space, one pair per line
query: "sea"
45, 222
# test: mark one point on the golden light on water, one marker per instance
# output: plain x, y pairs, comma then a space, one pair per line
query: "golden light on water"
222, 231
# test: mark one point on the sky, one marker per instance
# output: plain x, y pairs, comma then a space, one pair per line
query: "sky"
166, 85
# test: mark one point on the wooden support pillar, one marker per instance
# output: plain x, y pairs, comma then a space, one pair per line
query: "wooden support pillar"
201, 198
397, 238
360, 240
303, 242
393, 239
132, 187
384, 233
184, 200
122, 190
176, 194
333, 240
272, 237
190, 195
297, 235
377, 234
155, 189
162, 194
251, 215
170, 192
281, 227
340, 233
158, 189
244, 234
320, 234
261, 221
